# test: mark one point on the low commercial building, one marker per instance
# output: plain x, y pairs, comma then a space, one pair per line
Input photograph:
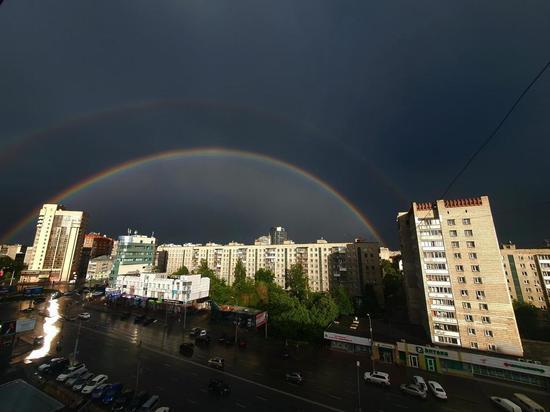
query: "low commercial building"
164, 287
134, 252
99, 268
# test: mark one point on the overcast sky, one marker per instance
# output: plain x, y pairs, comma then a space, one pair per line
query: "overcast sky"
383, 101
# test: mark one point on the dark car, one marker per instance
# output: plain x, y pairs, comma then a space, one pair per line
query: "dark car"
137, 401
111, 392
123, 400
285, 354
195, 332
202, 340
125, 316
39, 300
139, 319
57, 368
98, 392
218, 387
38, 341
186, 348
148, 321
226, 340
294, 377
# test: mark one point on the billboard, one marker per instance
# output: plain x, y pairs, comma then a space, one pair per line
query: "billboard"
24, 325
261, 318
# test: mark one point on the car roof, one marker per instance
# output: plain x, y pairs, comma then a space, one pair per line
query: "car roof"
380, 373
418, 377
436, 384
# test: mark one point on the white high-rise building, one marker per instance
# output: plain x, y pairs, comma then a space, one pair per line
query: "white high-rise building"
454, 275
57, 243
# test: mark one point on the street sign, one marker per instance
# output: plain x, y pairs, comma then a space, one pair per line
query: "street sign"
24, 325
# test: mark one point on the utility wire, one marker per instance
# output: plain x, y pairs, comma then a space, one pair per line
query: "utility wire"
495, 131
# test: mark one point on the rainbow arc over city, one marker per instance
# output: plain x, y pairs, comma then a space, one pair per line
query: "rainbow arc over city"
208, 152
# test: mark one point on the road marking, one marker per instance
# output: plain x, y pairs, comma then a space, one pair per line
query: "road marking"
260, 398
200, 365
240, 405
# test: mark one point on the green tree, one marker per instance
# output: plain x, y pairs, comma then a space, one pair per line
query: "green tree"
264, 275
204, 270
10, 267
343, 301
183, 271
296, 282
240, 274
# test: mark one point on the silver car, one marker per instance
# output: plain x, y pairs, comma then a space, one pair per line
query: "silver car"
413, 390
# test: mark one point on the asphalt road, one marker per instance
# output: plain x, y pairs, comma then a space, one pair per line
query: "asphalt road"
256, 374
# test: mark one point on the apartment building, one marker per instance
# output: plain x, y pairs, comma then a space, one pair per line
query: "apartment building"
454, 277
527, 274
55, 254
315, 258
99, 268
98, 244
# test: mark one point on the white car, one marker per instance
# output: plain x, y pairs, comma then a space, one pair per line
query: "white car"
506, 404
437, 390
84, 316
413, 390
94, 383
71, 371
381, 378
420, 382
203, 332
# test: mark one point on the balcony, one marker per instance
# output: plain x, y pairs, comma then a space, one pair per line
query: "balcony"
443, 307
439, 283
445, 320
440, 295
448, 333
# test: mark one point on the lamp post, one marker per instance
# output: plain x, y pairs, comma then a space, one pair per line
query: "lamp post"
358, 364
76, 341
371, 342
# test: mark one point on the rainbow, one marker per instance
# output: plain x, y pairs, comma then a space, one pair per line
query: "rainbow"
192, 153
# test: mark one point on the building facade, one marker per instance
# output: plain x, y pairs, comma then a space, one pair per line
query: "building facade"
135, 253
527, 274
320, 261
163, 286
57, 243
99, 268
278, 235
99, 244
454, 277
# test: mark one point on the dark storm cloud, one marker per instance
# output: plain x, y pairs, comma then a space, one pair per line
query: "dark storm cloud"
410, 88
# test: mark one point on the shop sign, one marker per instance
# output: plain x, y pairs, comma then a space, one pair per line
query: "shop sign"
357, 340
507, 364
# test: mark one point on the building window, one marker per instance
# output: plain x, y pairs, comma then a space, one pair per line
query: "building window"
452, 233
464, 293
455, 244
471, 331
466, 305
478, 281
475, 268
468, 233
473, 345
459, 268
466, 221
485, 319
461, 279
458, 256
480, 294
483, 306
472, 255
488, 333
468, 318
492, 347
451, 222
471, 244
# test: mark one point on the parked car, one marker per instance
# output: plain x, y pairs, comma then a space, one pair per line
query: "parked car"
110, 393
138, 400
527, 404
203, 332
79, 384
125, 316
412, 389
163, 409
420, 382
149, 404
148, 321
505, 404
97, 393
54, 361
94, 383
205, 340
195, 332
77, 369
186, 348
216, 362
437, 390
72, 380
139, 318
218, 387
294, 377
56, 367
84, 316
38, 341
381, 378
123, 400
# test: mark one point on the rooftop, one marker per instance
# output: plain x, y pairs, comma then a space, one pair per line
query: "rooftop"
19, 396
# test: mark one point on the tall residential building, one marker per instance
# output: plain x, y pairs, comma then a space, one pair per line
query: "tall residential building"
99, 244
57, 243
278, 235
15, 252
528, 274
315, 258
135, 253
454, 278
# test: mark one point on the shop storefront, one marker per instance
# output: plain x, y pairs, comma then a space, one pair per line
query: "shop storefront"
348, 343
385, 351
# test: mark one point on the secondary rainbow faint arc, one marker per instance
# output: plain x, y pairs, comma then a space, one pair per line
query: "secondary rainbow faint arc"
196, 152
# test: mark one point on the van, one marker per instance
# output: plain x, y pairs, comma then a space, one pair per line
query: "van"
149, 404
505, 404
527, 404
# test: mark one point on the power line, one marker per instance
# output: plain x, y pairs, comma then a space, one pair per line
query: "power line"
495, 131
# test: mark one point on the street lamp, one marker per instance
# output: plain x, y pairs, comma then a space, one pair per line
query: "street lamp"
371, 342
358, 364
76, 342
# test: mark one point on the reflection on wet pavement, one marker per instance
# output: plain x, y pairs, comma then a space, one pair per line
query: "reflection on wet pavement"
50, 331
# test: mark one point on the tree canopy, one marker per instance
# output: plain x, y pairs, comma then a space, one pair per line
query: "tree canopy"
183, 271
